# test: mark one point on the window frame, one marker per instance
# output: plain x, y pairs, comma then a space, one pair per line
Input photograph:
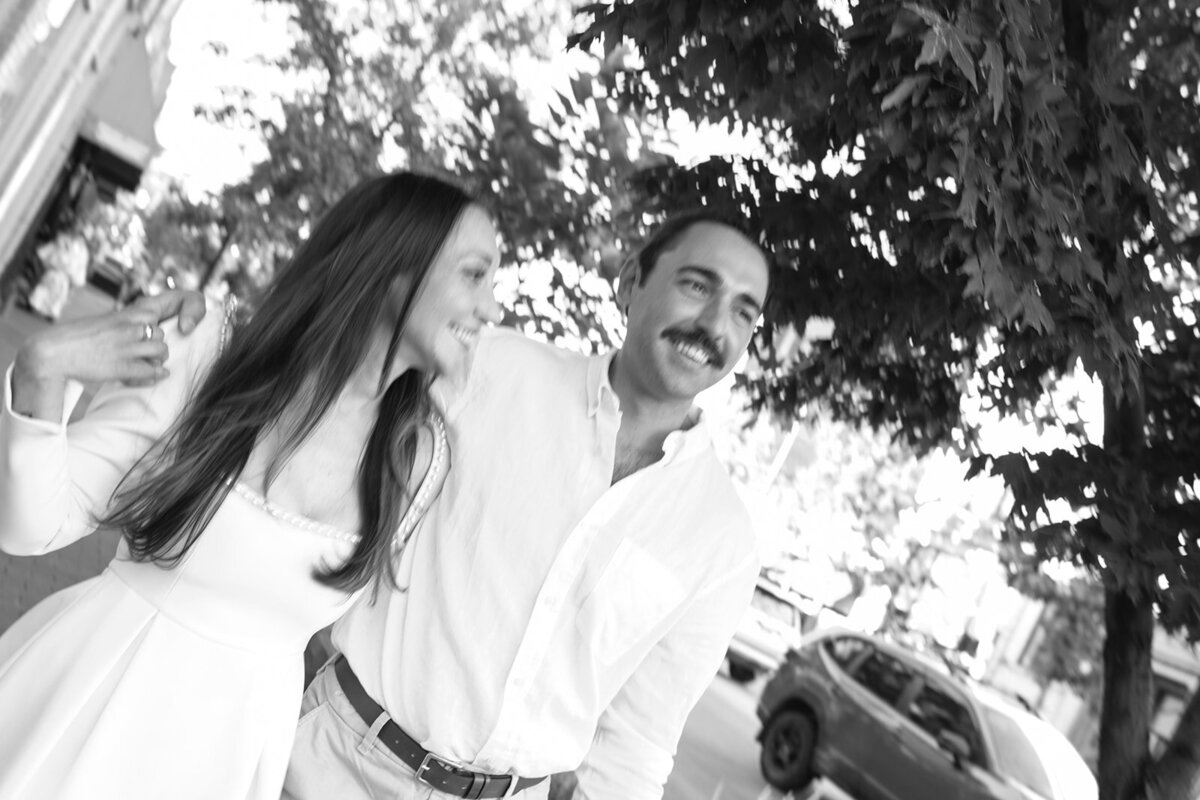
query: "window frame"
979, 752
848, 669
906, 692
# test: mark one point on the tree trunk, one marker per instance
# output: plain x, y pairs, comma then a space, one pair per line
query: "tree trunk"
1075, 32
1125, 716
1128, 622
1176, 774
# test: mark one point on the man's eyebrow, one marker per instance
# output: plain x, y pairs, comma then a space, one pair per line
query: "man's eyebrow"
705, 272
751, 301
715, 278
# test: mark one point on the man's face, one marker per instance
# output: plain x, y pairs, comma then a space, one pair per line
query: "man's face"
691, 318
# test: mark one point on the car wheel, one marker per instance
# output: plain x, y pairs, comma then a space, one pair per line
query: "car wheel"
740, 672
787, 750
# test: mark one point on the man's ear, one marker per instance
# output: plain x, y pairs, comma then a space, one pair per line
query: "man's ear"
627, 278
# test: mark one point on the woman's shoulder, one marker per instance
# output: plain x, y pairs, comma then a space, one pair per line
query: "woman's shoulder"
196, 350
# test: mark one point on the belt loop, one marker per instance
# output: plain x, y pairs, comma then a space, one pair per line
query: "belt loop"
512, 785
372, 736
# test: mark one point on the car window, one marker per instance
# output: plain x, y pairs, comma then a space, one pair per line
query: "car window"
884, 676
775, 608
934, 711
1015, 754
844, 649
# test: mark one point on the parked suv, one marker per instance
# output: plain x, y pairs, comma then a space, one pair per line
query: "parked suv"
770, 627
887, 724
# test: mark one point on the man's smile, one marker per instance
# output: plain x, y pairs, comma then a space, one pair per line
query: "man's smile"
695, 346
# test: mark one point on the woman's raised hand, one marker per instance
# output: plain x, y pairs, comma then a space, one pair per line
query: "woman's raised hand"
124, 346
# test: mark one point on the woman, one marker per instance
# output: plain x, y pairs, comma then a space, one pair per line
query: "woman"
276, 471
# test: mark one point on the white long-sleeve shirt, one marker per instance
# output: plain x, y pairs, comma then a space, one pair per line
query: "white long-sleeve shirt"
551, 621
54, 478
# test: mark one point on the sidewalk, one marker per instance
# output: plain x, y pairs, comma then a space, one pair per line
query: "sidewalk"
25, 581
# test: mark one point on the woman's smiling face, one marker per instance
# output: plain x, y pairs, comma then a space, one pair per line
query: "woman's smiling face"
456, 298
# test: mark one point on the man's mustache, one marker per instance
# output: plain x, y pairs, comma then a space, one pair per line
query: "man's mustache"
700, 339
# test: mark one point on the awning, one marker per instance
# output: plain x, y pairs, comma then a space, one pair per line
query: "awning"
120, 118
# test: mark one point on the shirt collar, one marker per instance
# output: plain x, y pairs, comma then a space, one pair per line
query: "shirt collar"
598, 384
688, 441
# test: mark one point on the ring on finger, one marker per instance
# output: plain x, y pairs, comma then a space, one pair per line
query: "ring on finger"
147, 332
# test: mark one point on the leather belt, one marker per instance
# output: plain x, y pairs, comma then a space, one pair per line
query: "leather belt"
440, 773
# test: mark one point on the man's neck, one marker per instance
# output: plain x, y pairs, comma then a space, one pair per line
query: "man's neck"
646, 420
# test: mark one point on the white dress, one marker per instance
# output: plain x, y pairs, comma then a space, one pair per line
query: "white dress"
145, 682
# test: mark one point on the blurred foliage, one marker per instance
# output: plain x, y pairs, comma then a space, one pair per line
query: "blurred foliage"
982, 197
435, 87
838, 487
1070, 650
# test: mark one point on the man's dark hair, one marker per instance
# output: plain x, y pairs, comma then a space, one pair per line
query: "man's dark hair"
669, 232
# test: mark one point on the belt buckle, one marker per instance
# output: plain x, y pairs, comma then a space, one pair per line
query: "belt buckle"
513, 778
445, 762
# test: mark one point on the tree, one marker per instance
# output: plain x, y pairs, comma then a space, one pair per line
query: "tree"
430, 86
983, 197
840, 489
186, 239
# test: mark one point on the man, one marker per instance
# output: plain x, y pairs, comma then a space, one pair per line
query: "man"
572, 592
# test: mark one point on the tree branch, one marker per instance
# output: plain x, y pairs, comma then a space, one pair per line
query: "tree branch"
1075, 33
210, 269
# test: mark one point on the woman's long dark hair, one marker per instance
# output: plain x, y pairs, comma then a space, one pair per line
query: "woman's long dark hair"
312, 330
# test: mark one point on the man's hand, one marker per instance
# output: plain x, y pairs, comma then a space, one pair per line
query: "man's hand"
187, 305
125, 346
562, 786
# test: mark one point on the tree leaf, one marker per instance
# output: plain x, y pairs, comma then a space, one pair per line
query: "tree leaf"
993, 64
1052, 93
933, 46
978, 465
902, 92
905, 23
581, 88
962, 58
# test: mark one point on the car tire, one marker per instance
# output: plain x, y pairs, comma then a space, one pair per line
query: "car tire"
741, 673
786, 757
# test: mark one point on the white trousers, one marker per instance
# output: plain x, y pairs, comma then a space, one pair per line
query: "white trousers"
336, 755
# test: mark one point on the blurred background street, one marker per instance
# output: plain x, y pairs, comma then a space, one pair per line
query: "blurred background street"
718, 754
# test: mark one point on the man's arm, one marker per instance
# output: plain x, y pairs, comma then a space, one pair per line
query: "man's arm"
634, 747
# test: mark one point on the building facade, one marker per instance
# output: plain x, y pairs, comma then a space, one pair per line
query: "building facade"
1174, 662
81, 84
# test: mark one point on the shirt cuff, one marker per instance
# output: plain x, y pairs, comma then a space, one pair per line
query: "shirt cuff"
71, 396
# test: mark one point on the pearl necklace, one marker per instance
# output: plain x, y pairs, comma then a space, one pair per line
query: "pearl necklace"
231, 304
291, 518
408, 523
412, 515
420, 503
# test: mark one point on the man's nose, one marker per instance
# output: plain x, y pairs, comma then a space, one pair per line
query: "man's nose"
713, 320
